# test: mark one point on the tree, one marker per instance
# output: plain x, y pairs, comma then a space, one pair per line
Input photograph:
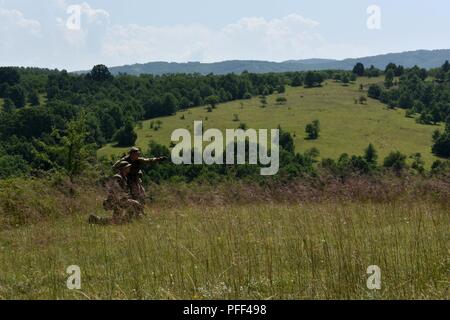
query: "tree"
313, 130
371, 155
286, 141
17, 96
212, 100
75, 148
313, 79
359, 69
33, 98
390, 67
395, 161
389, 79
9, 75
100, 73
399, 71
446, 67
297, 80
281, 88
418, 163
372, 72
169, 104
441, 144
126, 136
374, 91
8, 105
345, 79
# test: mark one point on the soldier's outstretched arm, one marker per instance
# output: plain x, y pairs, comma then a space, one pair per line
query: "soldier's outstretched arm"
152, 160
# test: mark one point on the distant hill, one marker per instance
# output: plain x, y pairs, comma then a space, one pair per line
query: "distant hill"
422, 58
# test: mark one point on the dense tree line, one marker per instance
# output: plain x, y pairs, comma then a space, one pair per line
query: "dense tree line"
38, 102
293, 164
424, 95
41, 108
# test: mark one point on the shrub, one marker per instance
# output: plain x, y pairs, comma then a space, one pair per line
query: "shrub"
313, 130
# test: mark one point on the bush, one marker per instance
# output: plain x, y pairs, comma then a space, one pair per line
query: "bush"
313, 130
374, 91
395, 161
281, 100
125, 136
13, 166
441, 146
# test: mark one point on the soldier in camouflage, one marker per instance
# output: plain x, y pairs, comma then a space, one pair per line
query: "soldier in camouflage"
119, 199
135, 176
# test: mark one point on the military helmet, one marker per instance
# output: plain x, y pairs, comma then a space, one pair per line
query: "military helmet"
123, 165
133, 150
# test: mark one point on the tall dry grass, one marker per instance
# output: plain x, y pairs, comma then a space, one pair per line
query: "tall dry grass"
264, 249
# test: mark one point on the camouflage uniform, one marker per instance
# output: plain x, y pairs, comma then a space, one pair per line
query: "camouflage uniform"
124, 208
135, 176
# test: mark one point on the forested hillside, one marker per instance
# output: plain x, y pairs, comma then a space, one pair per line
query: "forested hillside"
52, 120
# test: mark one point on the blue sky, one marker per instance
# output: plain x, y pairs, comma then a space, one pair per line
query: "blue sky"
36, 33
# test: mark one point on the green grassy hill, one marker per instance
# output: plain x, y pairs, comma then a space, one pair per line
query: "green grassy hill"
346, 126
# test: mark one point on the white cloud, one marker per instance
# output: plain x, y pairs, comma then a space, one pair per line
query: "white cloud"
92, 24
289, 37
97, 16
94, 16
11, 20
145, 43
99, 41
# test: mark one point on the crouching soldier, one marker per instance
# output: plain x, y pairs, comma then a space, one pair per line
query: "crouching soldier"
135, 176
119, 199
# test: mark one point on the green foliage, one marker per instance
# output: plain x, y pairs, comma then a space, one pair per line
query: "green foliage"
374, 91
297, 80
212, 101
372, 72
281, 100
389, 79
13, 166
418, 163
415, 93
395, 161
77, 152
313, 79
359, 69
17, 95
33, 99
313, 130
126, 136
371, 155
100, 73
9, 76
441, 143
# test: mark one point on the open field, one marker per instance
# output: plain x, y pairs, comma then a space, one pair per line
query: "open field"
346, 126
237, 252
260, 250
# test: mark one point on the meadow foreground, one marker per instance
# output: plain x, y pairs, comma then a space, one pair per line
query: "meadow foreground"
262, 251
